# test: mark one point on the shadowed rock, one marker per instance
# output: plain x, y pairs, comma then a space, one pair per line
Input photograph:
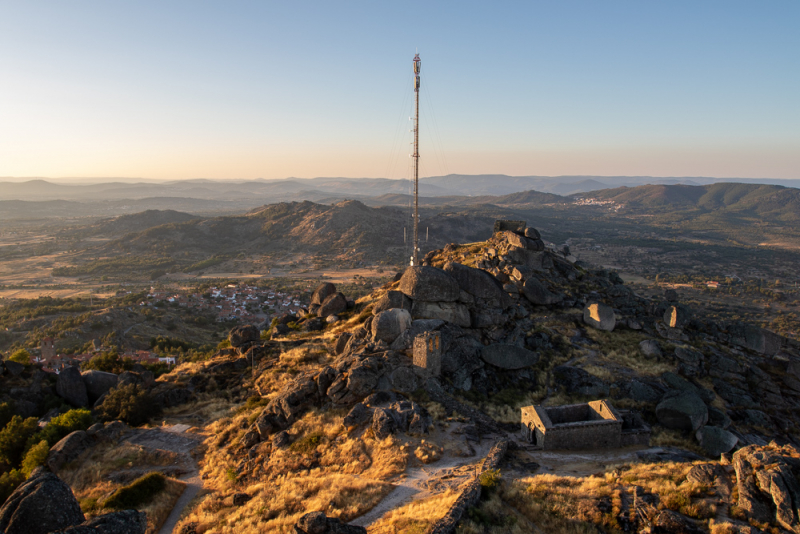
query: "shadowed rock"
98, 383
322, 292
451, 312
508, 356
538, 294
600, 316
241, 335
68, 449
333, 304
123, 522
715, 440
40, 505
392, 299
71, 388
389, 324
682, 410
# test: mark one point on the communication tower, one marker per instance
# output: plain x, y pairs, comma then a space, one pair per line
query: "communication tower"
415, 253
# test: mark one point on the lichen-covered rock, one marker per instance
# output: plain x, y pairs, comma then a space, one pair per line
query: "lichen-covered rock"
40, 505
476, 282
71, 388
508, 356
429, 284
389, 324
682, 410
600, 316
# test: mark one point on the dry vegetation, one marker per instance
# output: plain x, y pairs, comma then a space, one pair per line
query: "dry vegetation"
414, 517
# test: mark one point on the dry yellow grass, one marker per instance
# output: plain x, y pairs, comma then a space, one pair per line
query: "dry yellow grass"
277, 505
663, 437
159, 509
414, 517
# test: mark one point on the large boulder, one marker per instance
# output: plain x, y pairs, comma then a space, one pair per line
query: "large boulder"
429, 284
715, 440
535, 260
122, 522
333, 304
389, 324
70, 387
476, 282
600, 316
508, 356
242, 335
68, 449
98, 383
14, 368
392, 299
682, 410
40, 505
690, 361
322, 292
451, 312
538, 294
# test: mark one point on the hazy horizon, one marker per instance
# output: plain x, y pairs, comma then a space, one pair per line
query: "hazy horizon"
272, 90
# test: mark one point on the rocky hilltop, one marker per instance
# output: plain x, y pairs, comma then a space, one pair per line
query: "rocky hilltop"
401, 411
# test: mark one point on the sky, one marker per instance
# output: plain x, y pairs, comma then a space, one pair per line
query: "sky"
245, 90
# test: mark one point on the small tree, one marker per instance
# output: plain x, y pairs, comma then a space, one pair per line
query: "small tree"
35, 457
130, 403
21, 356
14, 437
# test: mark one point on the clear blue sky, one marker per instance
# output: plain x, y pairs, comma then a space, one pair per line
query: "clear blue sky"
276, 89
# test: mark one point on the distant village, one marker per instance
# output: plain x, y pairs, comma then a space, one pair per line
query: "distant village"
232, 302
250, 304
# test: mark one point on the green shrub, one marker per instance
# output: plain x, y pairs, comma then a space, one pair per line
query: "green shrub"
307, 443
131, 403
14, 437
138, 493
490, 478
9, 482
6, 413
35, 457
63, 425
21, 356
110, 362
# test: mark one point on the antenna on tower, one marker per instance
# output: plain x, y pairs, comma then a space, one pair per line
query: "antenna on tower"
415, 252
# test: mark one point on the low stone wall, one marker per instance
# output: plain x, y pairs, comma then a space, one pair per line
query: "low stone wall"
603, 434
470, 492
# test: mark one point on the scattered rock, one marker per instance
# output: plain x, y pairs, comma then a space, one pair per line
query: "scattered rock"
240, 499
600, 316
682, 410
40, 505
242, 335
508, 356
650, 348
669, 522
715, 440
341, 342
281, 440
358, 414
476, 282
429, 284
576, 380
71, 388
768, 488
383, 424
532, 233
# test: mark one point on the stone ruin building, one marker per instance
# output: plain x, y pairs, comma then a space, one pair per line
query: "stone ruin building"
592, 425
428, 352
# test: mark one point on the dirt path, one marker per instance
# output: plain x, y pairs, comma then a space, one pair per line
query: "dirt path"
421, 482
193, 485
175, 439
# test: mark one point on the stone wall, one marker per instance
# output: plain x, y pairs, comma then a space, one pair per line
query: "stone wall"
470, 492
577, 426
428, 352
583, 435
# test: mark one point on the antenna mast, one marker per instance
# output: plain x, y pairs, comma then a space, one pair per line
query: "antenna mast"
415, 253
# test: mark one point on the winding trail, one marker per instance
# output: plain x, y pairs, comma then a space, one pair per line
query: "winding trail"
193, 485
